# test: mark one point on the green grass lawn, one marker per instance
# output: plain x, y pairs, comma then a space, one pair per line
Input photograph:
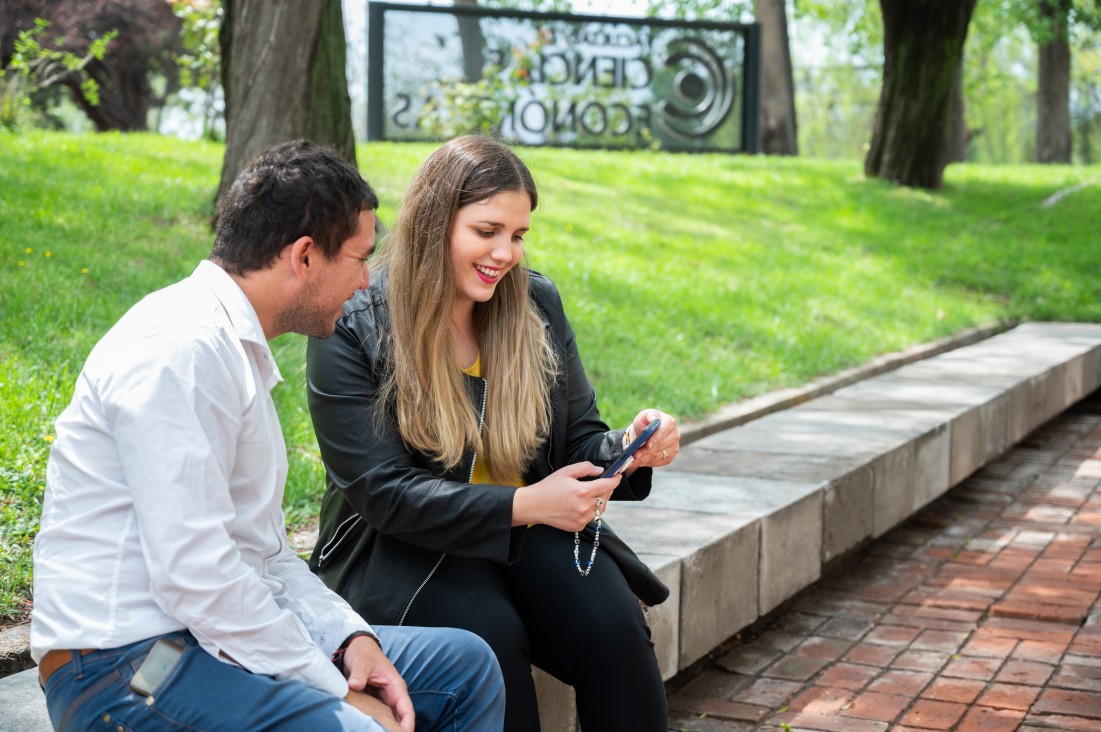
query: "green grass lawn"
692, 281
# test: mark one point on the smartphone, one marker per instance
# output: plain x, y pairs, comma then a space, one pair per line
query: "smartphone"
623, 462
152, 672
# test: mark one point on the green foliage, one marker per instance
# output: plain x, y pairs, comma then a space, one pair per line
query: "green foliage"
691, 280
837, 50
837, 54
856, 28
1000, 77
1000, 86
458, 107
201, 62
27, 413
1062, 15
543, 6
726, 11
36, 65
835, 108
1086, 98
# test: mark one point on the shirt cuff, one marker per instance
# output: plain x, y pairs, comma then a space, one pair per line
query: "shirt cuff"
329, 637
323, 675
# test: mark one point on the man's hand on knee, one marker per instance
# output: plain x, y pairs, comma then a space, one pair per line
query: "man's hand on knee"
373, 680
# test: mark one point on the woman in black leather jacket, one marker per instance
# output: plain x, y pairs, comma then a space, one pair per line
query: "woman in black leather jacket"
462, 446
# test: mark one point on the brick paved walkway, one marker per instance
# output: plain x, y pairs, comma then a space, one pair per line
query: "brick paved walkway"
981, 613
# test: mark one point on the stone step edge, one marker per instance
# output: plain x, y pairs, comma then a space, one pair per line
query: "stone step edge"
1037, 394
747, 410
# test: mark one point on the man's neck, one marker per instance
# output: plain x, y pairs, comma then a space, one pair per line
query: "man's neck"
260, 292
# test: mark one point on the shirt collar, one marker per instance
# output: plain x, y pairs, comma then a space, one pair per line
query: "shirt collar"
242, 316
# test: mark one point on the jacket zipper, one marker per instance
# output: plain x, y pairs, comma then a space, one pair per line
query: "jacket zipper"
469, 479
414, 597
338, 538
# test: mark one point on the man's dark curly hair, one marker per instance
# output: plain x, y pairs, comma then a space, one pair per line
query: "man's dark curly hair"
291, 190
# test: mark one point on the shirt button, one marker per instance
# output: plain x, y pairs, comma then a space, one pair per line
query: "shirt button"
106, 718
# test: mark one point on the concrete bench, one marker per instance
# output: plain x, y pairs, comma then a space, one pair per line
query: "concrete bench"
751, 515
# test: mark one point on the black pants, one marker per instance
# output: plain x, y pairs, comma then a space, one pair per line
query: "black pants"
588, 632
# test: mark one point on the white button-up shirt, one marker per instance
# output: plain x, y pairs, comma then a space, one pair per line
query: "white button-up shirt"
163, 497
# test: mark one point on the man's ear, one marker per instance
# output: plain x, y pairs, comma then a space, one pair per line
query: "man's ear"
302, 255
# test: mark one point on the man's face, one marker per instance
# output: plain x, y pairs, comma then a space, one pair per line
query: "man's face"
321, 302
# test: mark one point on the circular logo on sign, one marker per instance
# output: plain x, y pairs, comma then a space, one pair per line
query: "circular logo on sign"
702, 89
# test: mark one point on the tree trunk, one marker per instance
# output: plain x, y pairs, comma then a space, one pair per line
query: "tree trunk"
955, 139
1085, 147
283, 75
778, 125
1053, 88
473, 42
922, 47
124, 95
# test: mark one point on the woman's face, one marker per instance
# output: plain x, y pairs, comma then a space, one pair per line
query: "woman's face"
487, 240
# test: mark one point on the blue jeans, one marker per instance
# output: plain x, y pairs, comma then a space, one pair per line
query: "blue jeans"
452, 676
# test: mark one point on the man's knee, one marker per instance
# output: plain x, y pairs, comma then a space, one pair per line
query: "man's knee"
464, 647
467, 641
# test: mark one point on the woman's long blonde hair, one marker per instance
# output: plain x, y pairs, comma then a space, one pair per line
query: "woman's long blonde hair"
425, 386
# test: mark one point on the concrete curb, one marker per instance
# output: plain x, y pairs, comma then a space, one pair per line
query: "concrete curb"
15, 652
748, 410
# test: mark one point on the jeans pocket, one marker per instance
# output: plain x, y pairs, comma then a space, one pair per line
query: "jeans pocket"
82, 708
129, 664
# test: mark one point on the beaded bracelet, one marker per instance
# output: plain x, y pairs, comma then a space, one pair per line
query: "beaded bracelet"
592, 556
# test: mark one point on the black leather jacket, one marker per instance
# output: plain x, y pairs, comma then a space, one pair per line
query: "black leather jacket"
391, 514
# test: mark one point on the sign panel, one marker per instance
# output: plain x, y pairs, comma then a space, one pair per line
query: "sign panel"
555, 79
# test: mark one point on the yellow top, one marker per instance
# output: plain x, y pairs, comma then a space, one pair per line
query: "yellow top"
481, 462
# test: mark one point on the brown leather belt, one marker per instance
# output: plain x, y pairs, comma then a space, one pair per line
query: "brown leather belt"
53, 660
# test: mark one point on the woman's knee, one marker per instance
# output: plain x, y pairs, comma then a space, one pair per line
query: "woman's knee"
620, 639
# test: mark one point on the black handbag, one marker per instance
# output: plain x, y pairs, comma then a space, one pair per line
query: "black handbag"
640, 578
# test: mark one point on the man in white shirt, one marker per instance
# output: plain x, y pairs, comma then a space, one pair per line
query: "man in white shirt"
166, 595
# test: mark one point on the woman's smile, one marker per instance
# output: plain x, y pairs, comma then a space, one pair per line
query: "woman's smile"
489, 275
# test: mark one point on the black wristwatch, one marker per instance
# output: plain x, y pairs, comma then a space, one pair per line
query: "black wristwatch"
338, 655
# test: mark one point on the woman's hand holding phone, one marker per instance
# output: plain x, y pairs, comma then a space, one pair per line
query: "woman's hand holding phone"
571, 497
662, 446
566, 499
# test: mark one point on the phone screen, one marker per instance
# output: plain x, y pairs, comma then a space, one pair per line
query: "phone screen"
623, 461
